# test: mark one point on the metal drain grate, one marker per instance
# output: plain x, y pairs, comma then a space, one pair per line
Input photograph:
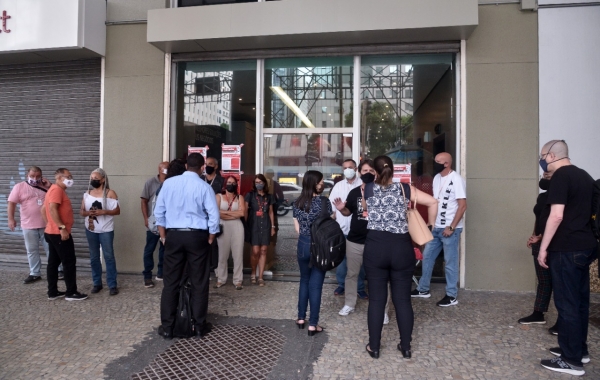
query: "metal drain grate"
228, 352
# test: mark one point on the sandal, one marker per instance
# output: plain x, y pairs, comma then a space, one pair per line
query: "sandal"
261, 282
238, 286
218, 285
253, 280
300, 325
315, 331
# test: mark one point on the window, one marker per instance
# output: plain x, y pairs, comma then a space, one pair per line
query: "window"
324, 124
299, 89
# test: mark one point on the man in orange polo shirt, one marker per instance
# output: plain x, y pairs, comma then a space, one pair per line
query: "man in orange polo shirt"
58, 213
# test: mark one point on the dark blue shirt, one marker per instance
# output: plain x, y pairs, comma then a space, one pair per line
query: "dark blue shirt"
305, 219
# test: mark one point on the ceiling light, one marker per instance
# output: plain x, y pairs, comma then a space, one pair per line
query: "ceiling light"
291, 105
347, 134
240, 99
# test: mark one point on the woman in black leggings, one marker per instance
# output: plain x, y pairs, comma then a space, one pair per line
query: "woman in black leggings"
389, 254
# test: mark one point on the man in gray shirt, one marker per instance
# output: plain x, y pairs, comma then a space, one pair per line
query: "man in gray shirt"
152, 237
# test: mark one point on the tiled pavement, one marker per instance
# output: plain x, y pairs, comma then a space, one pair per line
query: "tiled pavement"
478, 339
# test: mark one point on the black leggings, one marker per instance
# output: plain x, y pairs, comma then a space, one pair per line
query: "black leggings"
389, 257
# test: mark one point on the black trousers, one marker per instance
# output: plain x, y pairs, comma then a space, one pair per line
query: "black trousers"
185, 249
61, 251
389, 257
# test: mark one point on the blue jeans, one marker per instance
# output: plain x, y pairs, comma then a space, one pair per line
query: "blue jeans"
432, 250
571, 284
104, 240
311, 283
33, 238
342, 270
151, 241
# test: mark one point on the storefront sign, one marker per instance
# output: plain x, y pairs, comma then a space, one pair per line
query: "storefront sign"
402, 173
5, 18
57, 25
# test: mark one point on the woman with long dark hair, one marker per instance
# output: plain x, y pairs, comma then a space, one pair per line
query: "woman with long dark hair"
232, 208
389, 254
99, 205
306, 209
261, 222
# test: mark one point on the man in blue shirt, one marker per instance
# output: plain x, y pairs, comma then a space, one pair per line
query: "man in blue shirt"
187, 216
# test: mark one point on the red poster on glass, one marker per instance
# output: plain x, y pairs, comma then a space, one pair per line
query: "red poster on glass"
402, 173
231, 157
196, 149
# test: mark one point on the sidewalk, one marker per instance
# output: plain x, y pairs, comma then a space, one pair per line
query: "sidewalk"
114, 337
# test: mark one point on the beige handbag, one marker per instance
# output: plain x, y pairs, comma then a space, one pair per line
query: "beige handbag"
417, 228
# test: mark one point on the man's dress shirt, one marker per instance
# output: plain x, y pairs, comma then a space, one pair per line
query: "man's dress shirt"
186, 201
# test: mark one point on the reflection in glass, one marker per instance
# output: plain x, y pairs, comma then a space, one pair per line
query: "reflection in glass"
407, 113
287, 158
308, 92
216, 104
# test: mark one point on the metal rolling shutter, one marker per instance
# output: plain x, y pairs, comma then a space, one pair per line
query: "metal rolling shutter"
49, 117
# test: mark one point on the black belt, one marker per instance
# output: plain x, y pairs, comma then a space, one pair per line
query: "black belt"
185, 229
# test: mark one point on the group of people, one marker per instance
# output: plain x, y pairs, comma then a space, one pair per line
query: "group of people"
46, 217
192, 212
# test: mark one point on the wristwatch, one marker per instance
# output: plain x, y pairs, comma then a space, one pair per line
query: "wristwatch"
62, 227
451, 228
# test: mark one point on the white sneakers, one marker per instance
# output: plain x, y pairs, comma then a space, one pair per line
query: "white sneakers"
346, 310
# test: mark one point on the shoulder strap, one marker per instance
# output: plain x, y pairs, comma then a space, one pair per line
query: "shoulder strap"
324, 201
36, 187
369, 190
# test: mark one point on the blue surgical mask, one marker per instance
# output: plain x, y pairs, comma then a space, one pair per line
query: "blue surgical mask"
544, 164
260, 186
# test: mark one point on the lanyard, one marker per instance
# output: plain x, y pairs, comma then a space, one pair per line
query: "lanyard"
261, 205
230, 202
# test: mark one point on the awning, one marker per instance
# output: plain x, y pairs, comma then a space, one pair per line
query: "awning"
309, 23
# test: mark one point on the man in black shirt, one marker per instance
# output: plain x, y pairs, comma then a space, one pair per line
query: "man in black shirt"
568, 247
357, 235
212, 177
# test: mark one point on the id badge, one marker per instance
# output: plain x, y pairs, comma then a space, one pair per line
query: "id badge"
259, 213
40, 202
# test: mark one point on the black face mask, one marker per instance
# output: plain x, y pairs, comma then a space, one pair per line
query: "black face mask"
438, 168
231, 188
95, 183
209, 170
367, 177
544, 184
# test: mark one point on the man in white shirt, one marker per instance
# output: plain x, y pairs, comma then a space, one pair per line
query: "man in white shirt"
449, 189
341, 190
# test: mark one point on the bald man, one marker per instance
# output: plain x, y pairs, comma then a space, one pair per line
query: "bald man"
449, 189
568, 247
152, 236
212, 177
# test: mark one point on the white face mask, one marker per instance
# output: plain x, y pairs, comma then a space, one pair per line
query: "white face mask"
349, 173
68, 182
164, 171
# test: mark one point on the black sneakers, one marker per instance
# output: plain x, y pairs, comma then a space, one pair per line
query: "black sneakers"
447, 301
416, 293
558, 352
57, 295
96, 289
537, 318
114, 291
554, 329
31, 279
76, 297
148, 283
559, 365
61, 275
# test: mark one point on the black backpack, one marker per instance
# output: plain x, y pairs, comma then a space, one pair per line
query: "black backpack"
328, 244
184, 320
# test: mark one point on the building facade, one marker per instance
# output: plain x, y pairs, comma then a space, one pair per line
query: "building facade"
307, 84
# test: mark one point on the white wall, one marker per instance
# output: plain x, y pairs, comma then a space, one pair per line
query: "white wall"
569, 77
